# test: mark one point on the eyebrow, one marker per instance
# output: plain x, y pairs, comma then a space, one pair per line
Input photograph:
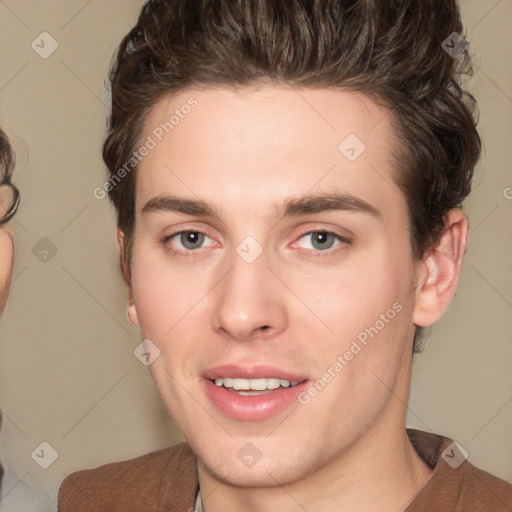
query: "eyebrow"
295, 207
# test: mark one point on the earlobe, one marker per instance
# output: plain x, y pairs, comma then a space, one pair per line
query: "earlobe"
439, 271
132, 312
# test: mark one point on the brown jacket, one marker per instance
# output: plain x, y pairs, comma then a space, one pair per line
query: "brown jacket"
166, 481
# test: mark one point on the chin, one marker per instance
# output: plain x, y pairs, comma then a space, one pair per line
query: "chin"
239, 462
262, 474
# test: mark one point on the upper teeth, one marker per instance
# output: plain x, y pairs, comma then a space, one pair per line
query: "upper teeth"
254, 384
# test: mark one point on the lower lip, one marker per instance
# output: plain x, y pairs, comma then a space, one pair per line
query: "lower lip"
256, 407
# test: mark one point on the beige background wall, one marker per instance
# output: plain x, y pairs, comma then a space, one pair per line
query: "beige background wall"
68, 375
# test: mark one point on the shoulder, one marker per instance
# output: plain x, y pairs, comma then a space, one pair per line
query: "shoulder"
455, 483
149, 482
487, 492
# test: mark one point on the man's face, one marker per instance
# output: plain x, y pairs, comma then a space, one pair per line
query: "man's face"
305, 294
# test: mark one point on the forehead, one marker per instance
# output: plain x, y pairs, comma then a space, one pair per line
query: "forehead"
265, 143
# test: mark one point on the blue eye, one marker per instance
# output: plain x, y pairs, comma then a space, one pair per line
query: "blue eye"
187, 242
322, 240
189, 239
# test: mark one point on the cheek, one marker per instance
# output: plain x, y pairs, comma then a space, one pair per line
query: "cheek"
369, 310
354, 297
155, 300
171, 305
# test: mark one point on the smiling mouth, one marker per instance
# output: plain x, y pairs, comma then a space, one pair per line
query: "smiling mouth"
254, 394
253, 387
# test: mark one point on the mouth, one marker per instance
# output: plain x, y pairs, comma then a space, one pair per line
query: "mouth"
253, 387
252, 393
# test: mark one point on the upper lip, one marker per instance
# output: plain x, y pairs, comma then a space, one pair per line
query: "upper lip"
251, 372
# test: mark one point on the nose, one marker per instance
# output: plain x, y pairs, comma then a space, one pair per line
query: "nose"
249, 301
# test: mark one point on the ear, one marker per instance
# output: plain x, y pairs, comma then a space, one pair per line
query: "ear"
439, 271
125, 268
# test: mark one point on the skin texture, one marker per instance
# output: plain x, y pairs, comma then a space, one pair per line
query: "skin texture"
6, 255
244, 151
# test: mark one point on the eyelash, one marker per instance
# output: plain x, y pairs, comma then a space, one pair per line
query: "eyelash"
329, 252
187, 254
194, 253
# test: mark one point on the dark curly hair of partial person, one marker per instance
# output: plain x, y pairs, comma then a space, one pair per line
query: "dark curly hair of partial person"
391, 51
6, 170
6, 158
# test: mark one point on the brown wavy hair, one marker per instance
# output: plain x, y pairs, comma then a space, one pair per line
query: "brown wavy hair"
391, 51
